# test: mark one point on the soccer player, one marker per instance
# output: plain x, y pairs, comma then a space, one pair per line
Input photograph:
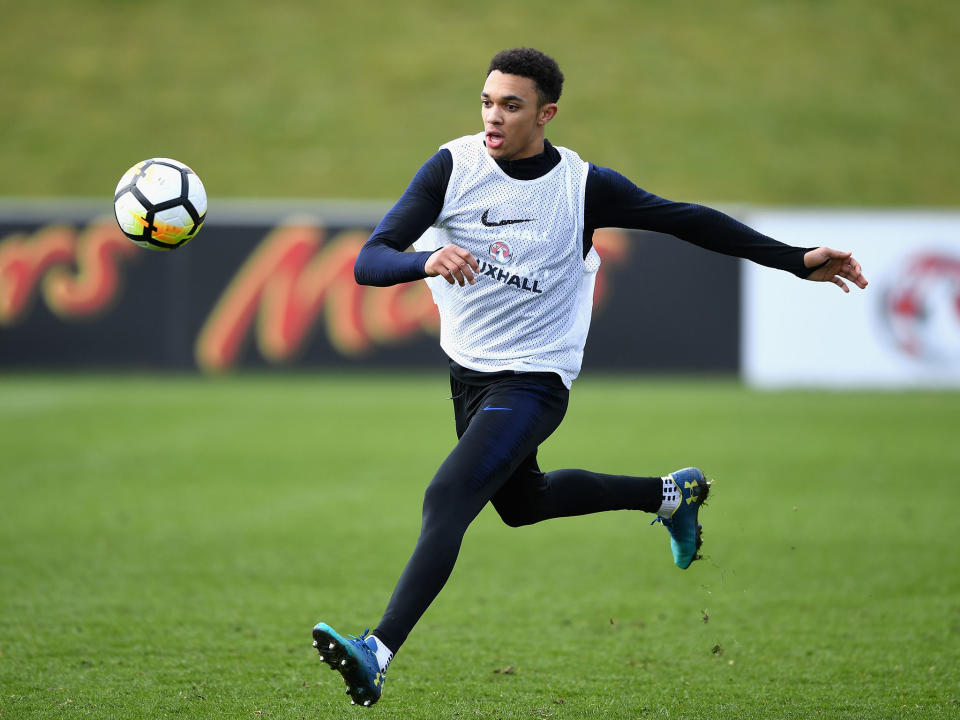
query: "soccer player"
502, 224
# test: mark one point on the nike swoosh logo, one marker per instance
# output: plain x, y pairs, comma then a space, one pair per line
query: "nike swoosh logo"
497, 223
496, 408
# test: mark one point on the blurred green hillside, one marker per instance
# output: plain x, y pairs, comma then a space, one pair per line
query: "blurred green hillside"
790, 102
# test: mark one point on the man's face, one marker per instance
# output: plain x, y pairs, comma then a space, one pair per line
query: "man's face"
512, 121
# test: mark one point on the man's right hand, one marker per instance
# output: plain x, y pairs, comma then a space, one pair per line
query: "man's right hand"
454, 264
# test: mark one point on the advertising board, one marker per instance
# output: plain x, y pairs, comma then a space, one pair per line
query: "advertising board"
271, 286
903, 331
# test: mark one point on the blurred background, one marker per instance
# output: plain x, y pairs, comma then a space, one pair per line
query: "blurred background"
186, 446
788, 103
306, 120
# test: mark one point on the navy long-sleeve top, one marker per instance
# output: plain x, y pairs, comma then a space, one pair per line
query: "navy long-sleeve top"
611, 201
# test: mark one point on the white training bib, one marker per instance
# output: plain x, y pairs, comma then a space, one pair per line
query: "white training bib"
529, 310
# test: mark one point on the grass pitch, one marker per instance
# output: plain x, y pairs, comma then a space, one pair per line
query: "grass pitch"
166, 545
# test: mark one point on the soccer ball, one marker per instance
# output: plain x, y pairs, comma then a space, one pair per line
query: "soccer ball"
160, 204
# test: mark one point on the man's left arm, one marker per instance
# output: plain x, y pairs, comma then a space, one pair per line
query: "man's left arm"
612, 200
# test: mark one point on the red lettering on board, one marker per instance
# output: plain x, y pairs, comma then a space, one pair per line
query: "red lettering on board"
77, 275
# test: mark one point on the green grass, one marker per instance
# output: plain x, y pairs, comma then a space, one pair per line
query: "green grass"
794, 102
166, 545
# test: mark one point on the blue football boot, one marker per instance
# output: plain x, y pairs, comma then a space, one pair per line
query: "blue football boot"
355, 659
685, 539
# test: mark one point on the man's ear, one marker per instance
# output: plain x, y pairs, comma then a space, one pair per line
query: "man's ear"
547, 113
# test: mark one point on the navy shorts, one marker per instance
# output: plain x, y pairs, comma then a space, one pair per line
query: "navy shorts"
501, 419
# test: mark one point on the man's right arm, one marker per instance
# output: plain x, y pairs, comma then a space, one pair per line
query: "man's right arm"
382, 260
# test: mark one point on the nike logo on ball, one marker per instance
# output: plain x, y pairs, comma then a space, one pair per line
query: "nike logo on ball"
497, 223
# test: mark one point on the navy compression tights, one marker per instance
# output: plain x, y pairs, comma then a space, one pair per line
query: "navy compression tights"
500, 424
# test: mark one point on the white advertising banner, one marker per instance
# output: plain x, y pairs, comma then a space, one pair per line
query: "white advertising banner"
903, 331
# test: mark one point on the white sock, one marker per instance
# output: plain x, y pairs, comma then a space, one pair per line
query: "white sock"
384, 656
671, 498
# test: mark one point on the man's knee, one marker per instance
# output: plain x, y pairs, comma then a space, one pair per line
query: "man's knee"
440, 495
449, 505
514, 517
516, 506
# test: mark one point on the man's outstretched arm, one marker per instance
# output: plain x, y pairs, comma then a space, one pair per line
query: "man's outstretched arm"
614, 201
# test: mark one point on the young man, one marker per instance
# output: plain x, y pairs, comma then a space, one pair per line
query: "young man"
502, 222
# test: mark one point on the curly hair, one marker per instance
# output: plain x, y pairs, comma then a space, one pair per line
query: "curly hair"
527, 62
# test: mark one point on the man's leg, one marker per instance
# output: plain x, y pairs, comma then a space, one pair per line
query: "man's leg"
531, 496
505, 424
499, 424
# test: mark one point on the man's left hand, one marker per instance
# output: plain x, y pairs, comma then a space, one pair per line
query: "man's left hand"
834, 266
